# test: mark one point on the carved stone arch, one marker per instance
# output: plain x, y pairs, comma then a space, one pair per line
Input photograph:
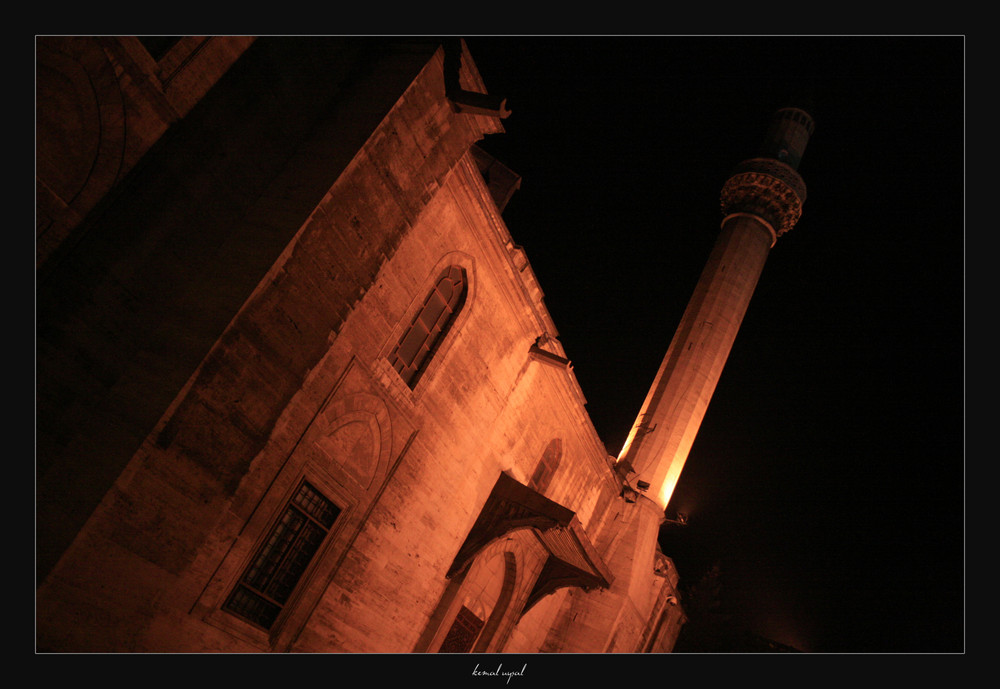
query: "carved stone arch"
524, 557
80, 117
549, 550
503, 603
352, 438
483, 588
480, 606
80, 127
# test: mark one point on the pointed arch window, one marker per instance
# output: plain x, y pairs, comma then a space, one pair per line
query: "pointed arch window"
424, 335
547, 466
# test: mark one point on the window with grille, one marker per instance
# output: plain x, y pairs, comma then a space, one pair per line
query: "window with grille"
463, 633
293, 541
422, 338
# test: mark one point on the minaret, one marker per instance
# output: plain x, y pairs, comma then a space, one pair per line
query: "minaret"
761, 200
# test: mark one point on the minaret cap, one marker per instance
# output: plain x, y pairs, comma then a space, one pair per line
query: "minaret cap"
787, 136
769, 187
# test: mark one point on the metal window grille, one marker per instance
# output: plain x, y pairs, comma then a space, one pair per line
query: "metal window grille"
463, 633
269, 579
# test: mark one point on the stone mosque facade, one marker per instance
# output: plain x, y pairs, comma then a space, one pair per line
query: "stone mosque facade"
297, 389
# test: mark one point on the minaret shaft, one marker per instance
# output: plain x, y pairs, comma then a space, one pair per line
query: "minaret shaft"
668, 422
761, 200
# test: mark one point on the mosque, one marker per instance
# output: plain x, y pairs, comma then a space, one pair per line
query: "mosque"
297, 388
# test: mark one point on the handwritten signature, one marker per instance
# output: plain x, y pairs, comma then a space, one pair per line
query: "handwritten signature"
499, 672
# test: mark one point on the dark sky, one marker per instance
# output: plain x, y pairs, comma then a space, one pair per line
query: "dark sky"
829, 474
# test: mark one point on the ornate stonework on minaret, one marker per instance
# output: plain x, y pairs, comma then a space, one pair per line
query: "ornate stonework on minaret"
761, 200
769, 187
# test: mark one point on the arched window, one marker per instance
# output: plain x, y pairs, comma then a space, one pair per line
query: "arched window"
463, 633
547, 466
411, 356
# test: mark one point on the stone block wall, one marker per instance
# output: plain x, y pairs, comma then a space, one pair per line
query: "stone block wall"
218, 331
176, 332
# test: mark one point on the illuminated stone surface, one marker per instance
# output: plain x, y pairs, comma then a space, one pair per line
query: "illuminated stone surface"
215, 328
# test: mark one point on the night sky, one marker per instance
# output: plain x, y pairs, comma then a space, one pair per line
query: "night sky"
828, 479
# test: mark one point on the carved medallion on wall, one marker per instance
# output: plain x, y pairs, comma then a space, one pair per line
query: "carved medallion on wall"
352, 438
